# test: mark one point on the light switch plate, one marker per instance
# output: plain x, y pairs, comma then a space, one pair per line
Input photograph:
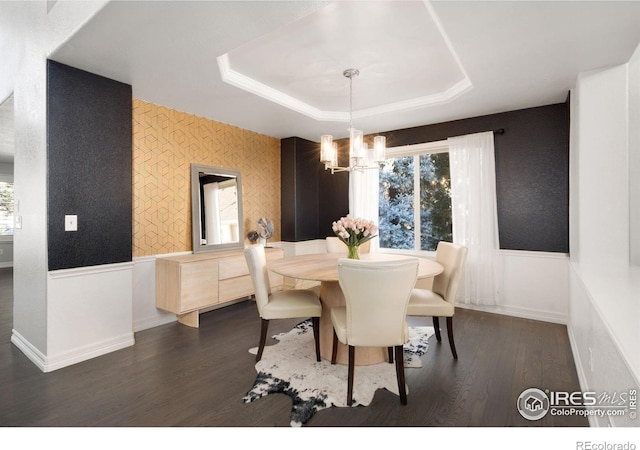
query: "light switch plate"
70, 223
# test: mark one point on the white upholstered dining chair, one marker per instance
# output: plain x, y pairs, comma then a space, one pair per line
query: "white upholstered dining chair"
288, 304
439, 301
335, 245
376, 296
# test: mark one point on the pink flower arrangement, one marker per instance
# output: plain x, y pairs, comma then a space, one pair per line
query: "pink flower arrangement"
354, 232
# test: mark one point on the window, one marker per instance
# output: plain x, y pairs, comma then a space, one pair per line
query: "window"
415, 198
6, 208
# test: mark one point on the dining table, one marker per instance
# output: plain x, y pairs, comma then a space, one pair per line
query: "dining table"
323, 267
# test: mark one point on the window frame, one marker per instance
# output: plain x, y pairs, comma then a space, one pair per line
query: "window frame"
415, 150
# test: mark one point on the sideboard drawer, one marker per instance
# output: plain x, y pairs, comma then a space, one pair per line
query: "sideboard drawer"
232, 267
235, 288
199, 285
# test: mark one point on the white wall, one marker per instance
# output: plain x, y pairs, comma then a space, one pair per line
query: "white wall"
531, 285
602, 179
145, 313
634, 157
14, 19
534, 285
30, 243
604, 310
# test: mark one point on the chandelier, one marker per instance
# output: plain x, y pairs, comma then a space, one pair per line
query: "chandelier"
361, 157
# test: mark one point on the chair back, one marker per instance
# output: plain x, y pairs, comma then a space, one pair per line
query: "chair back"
377, 294
453, 258
257, 263
335, 245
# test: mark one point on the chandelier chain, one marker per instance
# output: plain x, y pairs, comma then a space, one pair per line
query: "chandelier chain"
350, 103
350, 73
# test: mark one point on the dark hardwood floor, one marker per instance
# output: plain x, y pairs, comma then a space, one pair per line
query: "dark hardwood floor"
176, 376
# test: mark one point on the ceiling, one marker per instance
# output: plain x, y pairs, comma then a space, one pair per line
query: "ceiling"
276, 67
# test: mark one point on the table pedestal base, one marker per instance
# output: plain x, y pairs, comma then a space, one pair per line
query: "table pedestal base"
331, 295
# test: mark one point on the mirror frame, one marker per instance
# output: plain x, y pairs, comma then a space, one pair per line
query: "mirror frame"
196, 169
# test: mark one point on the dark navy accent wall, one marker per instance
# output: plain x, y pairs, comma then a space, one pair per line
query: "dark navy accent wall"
532, 175
89, 161
299, 189
311, 198
332, 203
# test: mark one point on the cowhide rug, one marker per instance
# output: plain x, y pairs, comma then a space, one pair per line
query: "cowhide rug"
290, 367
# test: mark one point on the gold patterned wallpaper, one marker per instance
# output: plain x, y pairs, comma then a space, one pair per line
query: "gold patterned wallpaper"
165, 143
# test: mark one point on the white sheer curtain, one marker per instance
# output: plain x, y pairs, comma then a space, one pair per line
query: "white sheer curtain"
363, 197
474, 214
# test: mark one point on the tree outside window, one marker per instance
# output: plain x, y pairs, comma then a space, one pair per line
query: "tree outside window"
415, 221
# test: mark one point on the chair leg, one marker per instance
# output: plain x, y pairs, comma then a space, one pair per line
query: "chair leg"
390, 351
436, 326
334, 349
316, 335
263, 338
352, 359
400, 374
450, 334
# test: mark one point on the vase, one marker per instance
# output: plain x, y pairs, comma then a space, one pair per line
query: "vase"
353, 252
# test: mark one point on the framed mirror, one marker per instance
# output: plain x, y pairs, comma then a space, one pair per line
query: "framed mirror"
216, 208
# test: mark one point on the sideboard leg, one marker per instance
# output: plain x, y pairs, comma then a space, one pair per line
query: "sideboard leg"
191, 319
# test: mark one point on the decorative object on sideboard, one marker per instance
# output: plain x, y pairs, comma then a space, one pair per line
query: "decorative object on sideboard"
253, 236
265, 229
360, 156
354, 233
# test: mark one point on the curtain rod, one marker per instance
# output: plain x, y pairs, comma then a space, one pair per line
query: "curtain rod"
499, 131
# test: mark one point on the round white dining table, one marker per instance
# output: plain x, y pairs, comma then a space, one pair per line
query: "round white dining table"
323, 267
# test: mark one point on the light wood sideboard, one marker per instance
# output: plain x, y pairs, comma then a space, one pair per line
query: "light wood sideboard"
187, 284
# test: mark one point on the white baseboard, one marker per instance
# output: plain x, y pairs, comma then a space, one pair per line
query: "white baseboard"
523, 313
582, 378
152, 322
34, 355
83, 354
49, 364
